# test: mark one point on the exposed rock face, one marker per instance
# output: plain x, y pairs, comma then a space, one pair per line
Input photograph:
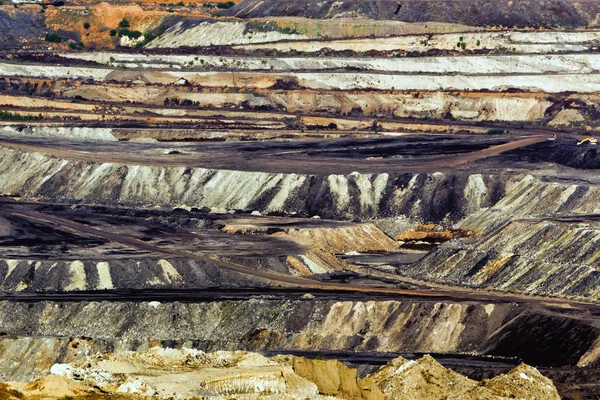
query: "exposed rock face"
522, 382
553, 257
360, 238
527, 42
214, 33
549, 83
374, 326
484, 199
186, 374
224, 239
181, 374
426, 379
18, 275
37, 175
477, 13
567, 118
335, 379
18, 26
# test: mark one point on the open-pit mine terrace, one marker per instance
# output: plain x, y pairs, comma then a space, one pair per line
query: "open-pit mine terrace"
278, 191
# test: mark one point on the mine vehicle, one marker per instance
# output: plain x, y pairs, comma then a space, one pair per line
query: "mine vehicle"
589, 140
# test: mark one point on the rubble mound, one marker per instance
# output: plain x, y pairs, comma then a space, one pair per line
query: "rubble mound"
187, 373
426, 379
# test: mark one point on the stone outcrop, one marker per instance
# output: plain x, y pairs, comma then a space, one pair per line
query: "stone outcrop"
36, 335
426, 379
554, 256
185, 374
335, 379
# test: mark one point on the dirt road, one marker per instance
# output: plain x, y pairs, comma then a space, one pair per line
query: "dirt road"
268, 157
293, 282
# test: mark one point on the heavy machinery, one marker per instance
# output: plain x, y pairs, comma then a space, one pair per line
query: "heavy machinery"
589, 140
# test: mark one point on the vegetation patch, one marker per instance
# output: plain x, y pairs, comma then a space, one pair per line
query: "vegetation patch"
8, 116
53, 37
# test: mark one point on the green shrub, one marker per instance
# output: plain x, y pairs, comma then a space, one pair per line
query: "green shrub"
86, 25
226, 5
124, 23
53, 37
134, 34
495, 131
287, 30
113, 32
8, 116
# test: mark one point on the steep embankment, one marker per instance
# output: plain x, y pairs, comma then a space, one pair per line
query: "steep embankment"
476, 13
476, 65
39, 334
552, 257
333, 106
425, 379
482, 200
431, 197
158, 372
553, 83
125, 273
501, 42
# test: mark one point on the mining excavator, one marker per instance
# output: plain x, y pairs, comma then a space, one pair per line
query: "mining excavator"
589, 140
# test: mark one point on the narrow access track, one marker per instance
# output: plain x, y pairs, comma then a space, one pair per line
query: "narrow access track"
292, 282
231, 159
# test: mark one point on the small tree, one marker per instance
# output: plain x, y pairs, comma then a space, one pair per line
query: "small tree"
124, 23
113, 32
53, 38
134, 34
86, 25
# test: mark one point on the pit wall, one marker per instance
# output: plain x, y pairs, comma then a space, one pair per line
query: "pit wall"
121, 273
547, 257
433, 197
387, 326
476, 202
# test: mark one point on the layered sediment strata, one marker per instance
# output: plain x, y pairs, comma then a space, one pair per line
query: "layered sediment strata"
42, 329
186, 373
551, 257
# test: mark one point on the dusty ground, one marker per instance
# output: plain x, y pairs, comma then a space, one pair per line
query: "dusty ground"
186, 373
361, 186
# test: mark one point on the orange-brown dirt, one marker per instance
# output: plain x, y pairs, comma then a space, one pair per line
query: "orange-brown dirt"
433, 233
103, 18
